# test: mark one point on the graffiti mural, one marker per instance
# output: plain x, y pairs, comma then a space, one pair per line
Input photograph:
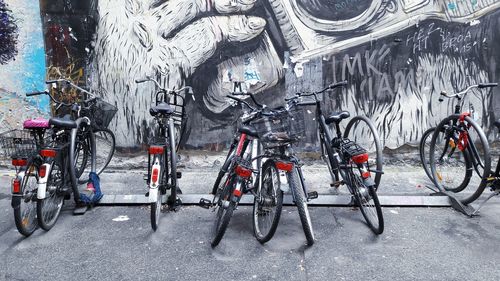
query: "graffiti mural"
22, 62
397, 55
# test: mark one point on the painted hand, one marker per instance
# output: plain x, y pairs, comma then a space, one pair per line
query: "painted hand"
170, 40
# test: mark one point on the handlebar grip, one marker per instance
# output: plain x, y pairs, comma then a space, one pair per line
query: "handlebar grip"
487, 85
36, 93
141, 80
338, 84
50, 81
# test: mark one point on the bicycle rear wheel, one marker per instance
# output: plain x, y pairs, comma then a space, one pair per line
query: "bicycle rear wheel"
300, 199
25, 204
457, 145
268, 202
368, 203
172, 157
362, 131
225, 207
49, 208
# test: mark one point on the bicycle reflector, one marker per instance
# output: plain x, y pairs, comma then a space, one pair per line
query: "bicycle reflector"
16, 185
19, 162
284, 166
154, 149
48, 153
154, 175
243, 172
42, 171
360, 158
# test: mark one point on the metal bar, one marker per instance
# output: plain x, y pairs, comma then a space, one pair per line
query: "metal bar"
322, 200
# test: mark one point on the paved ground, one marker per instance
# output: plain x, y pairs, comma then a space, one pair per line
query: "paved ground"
117, 242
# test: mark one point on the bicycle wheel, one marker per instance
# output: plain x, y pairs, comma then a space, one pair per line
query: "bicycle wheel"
105, 149
300, 199
82, 155
368, 203
224, 171
464, 166
156, 206
25, 204
456, 149
327, 156
267, 203
362, 131
225, 207
172, 157
49, 208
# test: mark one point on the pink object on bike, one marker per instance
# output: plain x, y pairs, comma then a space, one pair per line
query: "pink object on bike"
36, 123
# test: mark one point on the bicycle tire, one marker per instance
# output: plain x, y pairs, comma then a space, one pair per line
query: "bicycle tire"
374, 143
361, 192
269, 167
25, 205
470, 123
156, 206
173, 164
47, 211
224, 170
424, 142
104, 138
327, 156
301, 203
224, 213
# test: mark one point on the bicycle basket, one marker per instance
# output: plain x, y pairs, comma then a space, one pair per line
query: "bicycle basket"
102, 113
17, 144
282, 128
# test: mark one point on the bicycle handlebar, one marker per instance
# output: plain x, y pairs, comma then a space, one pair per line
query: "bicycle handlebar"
166, 90
37, 93
459, 94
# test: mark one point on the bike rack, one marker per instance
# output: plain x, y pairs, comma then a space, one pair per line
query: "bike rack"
324, 200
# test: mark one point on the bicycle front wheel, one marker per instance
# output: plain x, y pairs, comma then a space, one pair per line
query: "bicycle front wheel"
105, 149
300, 199
25, 203
49, 208
225, 207
367, 201
267, 204
362, 131
460, 144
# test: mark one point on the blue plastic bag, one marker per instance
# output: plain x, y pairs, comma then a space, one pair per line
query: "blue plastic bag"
94, 188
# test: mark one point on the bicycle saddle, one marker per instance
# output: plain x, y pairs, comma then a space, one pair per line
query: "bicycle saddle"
248, 130
37, 123
337, 117
162, 108
64, 122
497, 123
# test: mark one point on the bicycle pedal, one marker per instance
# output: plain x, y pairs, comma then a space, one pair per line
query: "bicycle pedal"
337, 183
179, 175
147, 194
312, 195
205, 203
145, 177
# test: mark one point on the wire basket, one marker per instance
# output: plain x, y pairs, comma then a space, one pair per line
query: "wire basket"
102, 113
280, 129
17, 144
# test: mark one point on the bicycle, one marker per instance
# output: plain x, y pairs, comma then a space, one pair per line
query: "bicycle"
261, 161
162, 152
458, 149
347, 159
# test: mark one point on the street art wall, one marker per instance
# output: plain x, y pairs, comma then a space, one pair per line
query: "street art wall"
22, 62
397, 55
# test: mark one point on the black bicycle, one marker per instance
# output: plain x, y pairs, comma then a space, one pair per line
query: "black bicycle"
261, 161
350, 161
162, 152
457, 148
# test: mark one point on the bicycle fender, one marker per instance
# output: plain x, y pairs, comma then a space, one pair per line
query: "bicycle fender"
284, 186
153, 195
154, 182
42, 182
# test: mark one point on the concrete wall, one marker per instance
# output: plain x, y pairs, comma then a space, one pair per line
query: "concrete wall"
22, 62
396, 54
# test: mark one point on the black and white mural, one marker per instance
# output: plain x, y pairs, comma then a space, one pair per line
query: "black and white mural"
398, 55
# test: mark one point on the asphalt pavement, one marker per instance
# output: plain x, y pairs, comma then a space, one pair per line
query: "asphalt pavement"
117, 243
